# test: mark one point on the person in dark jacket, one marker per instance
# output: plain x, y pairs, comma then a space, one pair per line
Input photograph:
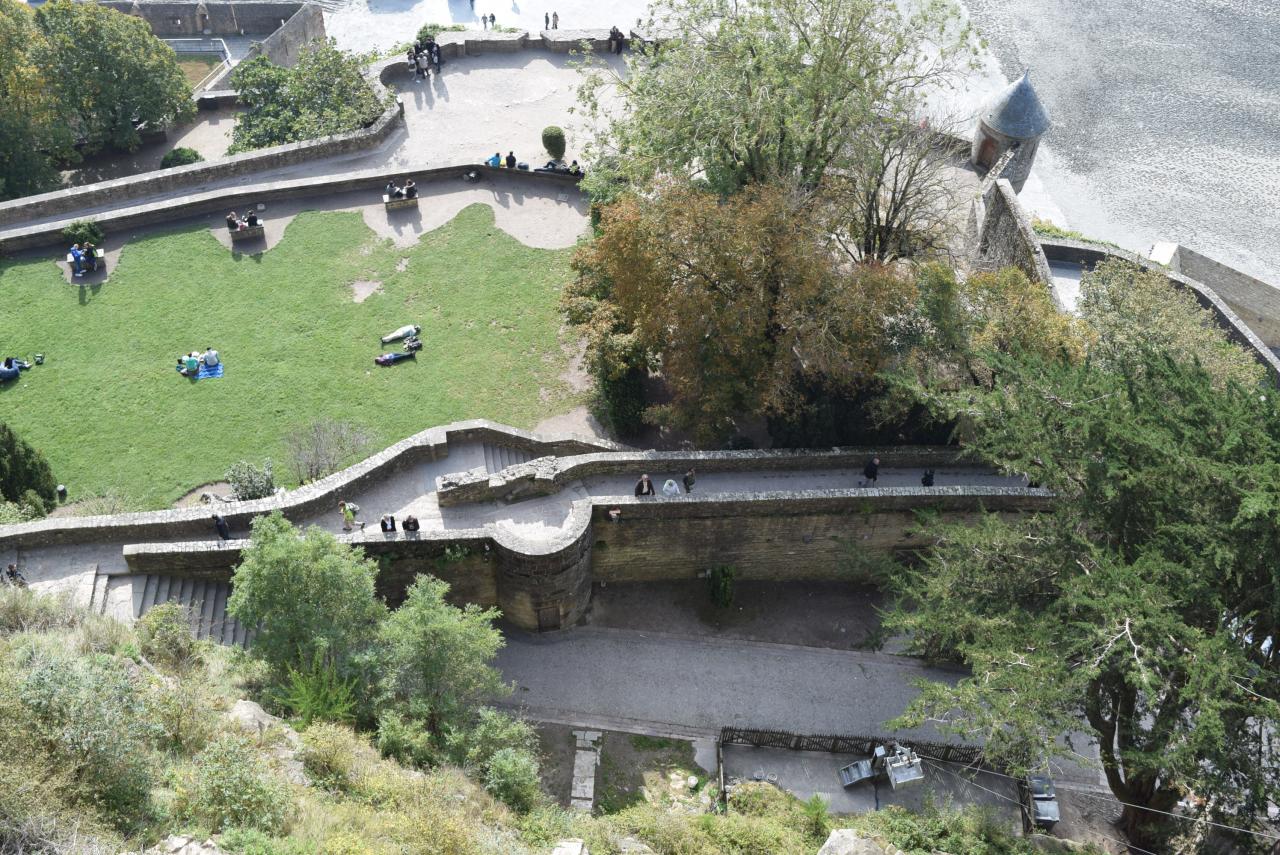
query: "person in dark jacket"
644, 487
689, 480
926, 480
511, 160
871, 471
388, 522
411, 523
224, 530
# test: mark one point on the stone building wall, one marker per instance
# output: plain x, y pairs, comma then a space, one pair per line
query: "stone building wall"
1000, 231
179, 19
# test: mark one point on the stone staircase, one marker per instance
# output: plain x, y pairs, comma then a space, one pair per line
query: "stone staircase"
204, 600
499, 457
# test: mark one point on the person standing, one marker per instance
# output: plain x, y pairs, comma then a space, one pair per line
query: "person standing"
871, 471
926, 480
484, 22
555, 20
423, 61
644, 487
689, 481
493, 21
546, 20
220, 524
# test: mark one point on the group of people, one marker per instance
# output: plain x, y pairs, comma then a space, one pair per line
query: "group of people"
489, 23
189, 365
670, 489
410, 523
412, 344
396, 191
871, 473
552, 21
235, 223
424, 57
82, 256
510, 162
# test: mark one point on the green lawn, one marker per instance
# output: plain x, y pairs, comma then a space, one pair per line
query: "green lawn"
112, 415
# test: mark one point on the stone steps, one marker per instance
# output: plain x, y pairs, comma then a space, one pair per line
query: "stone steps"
205, 602
499, 457
98, 598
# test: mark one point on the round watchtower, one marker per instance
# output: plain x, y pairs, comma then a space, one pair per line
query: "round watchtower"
1014, 119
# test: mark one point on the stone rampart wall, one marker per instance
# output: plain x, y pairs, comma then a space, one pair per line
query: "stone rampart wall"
549, 475
177, 19
1089, 254
1255, 302
1001, 233
222, 200
323, 495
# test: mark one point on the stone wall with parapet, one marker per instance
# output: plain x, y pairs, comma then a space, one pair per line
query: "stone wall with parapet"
236, 198
298, 504
1088, 255
547, 475
1000, 230
178, 19
283, 47
74, 201
1255, 302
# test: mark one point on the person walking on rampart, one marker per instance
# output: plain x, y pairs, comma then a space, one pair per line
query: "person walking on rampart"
349, 511
871, 472
689, 481
546, 20
644, 487
555, 20
220, 525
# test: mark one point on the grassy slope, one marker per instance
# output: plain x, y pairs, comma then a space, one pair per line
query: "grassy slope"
110, 412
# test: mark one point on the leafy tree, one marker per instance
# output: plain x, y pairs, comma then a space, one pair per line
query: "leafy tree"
309, 595
737, 300
109, 73
24, 470
251, 482
32, 130
1144, 605
437, 656
512, 777
325, 93
825, 96
1130, 308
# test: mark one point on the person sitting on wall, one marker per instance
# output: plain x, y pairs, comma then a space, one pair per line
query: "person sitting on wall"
252, 220
410, 523
495, 161
393, 190
511, 160
234, 223
575, 169
76, 259
410, 189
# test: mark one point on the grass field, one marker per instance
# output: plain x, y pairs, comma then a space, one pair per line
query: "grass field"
196, 66
111, 414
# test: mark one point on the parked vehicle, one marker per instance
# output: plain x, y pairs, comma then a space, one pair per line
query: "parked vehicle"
1042, 801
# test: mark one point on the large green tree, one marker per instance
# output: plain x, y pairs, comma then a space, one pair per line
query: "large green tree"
1143, 607
109, 74
310, 596
32, 130
825, 95
23, 470
436, 657
325, 93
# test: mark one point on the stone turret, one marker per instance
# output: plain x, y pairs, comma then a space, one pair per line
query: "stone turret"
1014, 119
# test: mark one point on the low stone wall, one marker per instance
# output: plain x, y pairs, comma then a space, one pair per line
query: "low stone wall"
222, 200
172, 19
303, 502
1088, 255
549, 475
1255, 302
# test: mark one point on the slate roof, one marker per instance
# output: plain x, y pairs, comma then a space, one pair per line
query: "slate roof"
1017, 112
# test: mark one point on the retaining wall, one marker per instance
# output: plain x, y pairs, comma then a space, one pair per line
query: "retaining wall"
284, 46
1088, 255
171, 19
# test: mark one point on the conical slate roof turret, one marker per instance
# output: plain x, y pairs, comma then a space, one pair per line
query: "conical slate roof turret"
1017, 112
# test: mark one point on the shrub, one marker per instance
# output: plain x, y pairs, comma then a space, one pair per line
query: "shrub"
34, 503
17, 512
331, 754
317, 693
23, 610
319, 448
430, 31
406, 741
475, 746
23, 469
181, 714
512, 778
251, 482
553, 141
180, 156
621, 402
721, 580
164, 634
81, 231
232, 788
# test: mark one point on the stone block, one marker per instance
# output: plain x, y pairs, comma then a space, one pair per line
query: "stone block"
846, 841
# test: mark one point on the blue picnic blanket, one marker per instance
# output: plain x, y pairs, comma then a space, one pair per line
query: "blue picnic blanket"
206, 372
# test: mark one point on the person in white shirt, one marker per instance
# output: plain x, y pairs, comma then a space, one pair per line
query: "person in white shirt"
670, 488
210, 357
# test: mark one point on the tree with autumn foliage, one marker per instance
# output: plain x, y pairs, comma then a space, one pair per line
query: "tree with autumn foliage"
735, 300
